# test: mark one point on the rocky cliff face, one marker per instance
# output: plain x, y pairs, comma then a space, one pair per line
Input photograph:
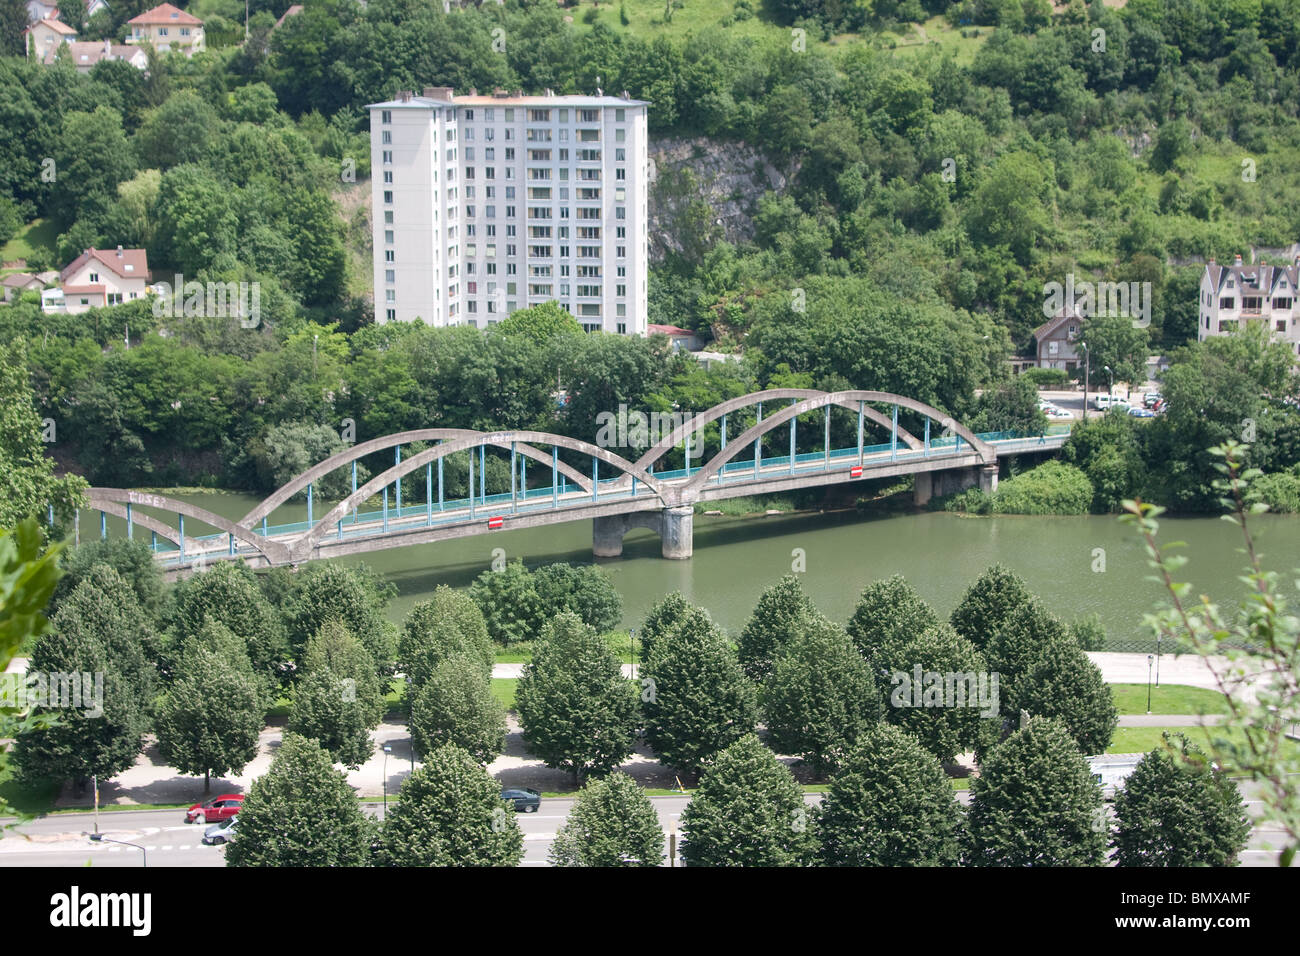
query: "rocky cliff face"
703, 190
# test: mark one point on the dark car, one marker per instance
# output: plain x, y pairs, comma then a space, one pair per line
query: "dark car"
219, 808
525, 800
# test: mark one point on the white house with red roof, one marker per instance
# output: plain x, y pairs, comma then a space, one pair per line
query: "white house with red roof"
168, 29
100, 277
84, 56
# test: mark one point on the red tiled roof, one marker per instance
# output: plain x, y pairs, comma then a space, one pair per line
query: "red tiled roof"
58, 26
83, 290
668, 330
166, 13
292, 11
116, 264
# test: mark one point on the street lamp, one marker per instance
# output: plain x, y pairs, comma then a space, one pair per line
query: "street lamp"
1111, 377
1083, 347
100, 838
1157, 660
1150, 658
387, 750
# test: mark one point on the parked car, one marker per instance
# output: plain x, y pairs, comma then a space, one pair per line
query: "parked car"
1106, 402
525, 800
219, 833
215, 810
1151, 399
1058, 414
1141, 412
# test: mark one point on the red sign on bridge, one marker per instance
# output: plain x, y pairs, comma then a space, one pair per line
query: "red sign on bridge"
855, 471
494, 523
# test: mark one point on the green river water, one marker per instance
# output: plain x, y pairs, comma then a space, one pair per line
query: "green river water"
939, 553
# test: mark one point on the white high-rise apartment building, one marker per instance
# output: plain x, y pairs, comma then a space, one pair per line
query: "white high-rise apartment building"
488, 204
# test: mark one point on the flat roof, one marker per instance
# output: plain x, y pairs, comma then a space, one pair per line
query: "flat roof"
556, 101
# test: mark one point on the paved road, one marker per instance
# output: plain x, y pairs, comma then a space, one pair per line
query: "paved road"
58, 840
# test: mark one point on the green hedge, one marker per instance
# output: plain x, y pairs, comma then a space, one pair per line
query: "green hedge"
1046, 376
1053, 488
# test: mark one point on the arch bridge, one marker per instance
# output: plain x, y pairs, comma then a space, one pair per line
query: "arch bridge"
618, 493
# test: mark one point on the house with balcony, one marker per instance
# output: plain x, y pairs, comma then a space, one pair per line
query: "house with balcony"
98, 278
167, 29
1238, 295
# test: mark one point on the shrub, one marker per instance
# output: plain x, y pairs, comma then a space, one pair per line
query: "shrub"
1280, 491
1053, 488
1044, 377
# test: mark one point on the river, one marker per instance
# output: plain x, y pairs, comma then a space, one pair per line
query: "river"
1077, 565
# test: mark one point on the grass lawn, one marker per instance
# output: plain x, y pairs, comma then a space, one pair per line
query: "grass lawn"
25, 798
37, 233
1134, 740
1167, 699
503, 689
938, 33
393, 701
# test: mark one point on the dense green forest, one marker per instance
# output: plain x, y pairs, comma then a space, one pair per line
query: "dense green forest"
934, 189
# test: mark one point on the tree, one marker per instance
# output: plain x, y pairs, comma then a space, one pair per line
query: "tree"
509, 602
781, 615
227, 592
92, 158
890, 804
132, 560
28, 487
748, 811
327, 709
541, 324
455, 705
578, 712
820, 696
1035, 803
987, 603
587, 591
612, 823
1010, 406
1114, 342
1175, 809
1066, 685
888, 611
663, 618
99, 630
210, 718
696, 699
29, 575
948, 725
450, 814
1016, 648
356, 597
14, 19
301, 812
336, 649
448, 623
1012, 205
1260, 635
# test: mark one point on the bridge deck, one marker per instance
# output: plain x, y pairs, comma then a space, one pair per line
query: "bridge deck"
427, 521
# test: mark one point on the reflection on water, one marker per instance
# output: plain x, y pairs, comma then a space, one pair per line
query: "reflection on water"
736, 558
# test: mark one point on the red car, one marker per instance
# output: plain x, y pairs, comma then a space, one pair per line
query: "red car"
215, 810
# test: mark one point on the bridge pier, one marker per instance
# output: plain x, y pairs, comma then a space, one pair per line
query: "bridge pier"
675, 527
931, 484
